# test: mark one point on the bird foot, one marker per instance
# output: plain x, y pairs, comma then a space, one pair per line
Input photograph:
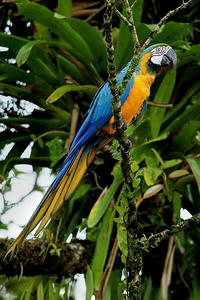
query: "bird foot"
124, 126
128, 147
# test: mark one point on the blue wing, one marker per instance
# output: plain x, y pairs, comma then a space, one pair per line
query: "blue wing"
99, 113
100, 110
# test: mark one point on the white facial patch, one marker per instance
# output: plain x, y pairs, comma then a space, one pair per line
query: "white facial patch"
156, 59
157, 54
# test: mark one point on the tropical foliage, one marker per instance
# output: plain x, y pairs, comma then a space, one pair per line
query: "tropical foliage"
51, 62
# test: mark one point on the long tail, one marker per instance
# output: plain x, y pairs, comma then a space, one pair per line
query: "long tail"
60, 190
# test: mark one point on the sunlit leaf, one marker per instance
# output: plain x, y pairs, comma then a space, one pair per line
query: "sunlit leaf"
25, 51
152, 191
171, 163
59, 92
29, 288
40, 291
178, 173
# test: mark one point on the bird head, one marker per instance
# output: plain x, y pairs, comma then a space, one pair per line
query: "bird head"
157, 58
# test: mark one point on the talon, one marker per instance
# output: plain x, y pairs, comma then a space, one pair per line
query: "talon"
124, 127
128, 147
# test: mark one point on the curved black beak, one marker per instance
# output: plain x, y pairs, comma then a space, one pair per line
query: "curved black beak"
169, 58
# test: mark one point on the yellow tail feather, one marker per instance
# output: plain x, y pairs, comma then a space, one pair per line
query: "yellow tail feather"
56, 198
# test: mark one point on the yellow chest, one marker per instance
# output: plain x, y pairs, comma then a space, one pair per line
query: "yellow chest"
134, 103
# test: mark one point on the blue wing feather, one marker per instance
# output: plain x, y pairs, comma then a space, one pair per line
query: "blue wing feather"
99, 113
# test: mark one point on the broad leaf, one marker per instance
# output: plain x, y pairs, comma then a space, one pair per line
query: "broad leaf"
162, 95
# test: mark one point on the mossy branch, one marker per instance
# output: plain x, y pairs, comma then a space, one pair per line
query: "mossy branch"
39, 257
116, 103
155, 239
134, 258
169, 15
133, 279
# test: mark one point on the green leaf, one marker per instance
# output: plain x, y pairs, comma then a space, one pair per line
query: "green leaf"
143, 30
172, 31
195, 167
14, 73
171, 163
124, 48
65, 7
14, 43
90, 34
89, 284
50, 291
56, 149
25, 51
134, 166
148, 290
120, 210
122, 239
71, 70
151, 175
177, 204
195, 289
191, 113
29, 288
40, 291
73, 41
81, 191
107, 294
42, 68
178, 173
191, 55
185, 139
162, 95
59, 92
139, 153
3, 226
152, 191
137, 11
101, 249
115, 283
175, 112
103, 202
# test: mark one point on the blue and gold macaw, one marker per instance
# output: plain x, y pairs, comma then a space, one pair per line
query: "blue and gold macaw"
97, 130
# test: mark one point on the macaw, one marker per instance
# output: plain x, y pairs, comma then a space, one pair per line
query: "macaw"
97, 130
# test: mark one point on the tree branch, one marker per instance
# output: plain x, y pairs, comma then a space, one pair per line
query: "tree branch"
116, 103
154, 240
169, 15
134, 257
134, 261
131, 25
160, 105
74, 258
